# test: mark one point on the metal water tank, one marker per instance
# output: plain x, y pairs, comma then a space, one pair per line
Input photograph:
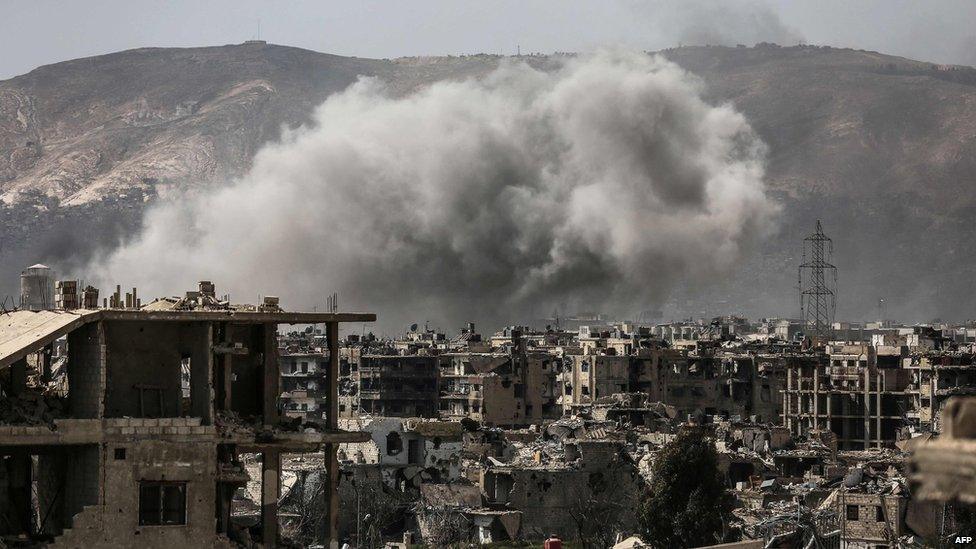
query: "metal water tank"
37, 288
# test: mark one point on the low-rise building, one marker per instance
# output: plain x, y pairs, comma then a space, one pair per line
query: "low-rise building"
160, 404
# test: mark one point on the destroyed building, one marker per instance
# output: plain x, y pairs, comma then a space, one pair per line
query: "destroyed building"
138, 450
401, 385
482, 386
303, 384
400, 457
511, 438
857, 392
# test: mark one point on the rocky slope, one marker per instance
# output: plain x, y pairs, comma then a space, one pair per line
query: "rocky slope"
880, 147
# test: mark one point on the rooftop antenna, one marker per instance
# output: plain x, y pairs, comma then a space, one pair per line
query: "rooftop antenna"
817, 281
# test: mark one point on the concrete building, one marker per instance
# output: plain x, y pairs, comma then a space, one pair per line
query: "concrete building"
303, 384
404, 386
406, 448
137, 454
938, 376
861, 399
869, 520
565, 495
702, 381
482, 386
383, 477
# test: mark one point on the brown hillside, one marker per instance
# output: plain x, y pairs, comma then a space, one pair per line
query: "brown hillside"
880, 147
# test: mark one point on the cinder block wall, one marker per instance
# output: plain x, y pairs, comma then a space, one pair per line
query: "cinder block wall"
86, 371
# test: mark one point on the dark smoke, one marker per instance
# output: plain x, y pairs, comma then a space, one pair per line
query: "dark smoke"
715, 22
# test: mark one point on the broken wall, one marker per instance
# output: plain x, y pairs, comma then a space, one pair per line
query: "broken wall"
499, 404
148, 460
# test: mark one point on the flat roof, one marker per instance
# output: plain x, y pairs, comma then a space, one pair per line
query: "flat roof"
24, 332
247, 317
21, 332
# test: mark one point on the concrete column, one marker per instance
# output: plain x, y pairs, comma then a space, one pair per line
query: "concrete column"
877, 399
201, 369
786, 399
816, 396
272, 381
18, 377
223, 367
332, 422
867, 408
226, 453
270, 492
225, 494
227, 380
829, 412
20, 490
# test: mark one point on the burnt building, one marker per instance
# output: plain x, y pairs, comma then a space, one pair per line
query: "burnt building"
158, 406
398, 385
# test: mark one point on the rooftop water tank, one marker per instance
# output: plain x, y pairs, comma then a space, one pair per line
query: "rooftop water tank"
37, 288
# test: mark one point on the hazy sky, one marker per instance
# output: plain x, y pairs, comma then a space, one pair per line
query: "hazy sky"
37, 32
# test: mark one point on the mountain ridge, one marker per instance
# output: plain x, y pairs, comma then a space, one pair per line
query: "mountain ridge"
882, 148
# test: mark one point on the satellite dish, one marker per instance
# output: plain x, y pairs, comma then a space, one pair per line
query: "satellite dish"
413, 327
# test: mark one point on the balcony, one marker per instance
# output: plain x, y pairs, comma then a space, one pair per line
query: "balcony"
302, 392
464, 395
395, 373
387, 394
308, 374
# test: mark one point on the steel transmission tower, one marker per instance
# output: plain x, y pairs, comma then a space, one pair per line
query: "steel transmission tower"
818, 284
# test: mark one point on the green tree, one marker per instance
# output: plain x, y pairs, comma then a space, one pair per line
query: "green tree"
686, 504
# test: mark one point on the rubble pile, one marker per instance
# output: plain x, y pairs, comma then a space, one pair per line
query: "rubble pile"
230, 424
195, 301
32, 408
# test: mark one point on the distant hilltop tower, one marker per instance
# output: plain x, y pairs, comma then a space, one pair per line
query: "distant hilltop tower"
818, 286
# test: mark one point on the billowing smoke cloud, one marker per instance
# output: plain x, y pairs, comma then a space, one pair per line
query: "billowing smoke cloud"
715, 22
600, 184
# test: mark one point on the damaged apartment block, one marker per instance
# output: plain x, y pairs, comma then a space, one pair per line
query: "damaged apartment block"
126, 425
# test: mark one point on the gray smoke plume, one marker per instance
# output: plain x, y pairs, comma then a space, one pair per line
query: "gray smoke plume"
713, 22
603, 183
